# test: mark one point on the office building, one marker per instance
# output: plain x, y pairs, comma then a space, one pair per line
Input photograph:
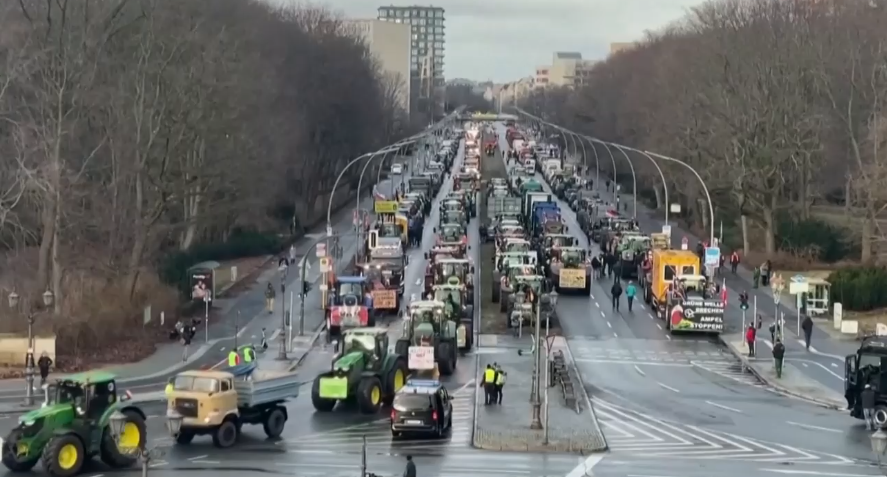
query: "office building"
389, 43
566, 69
427, 53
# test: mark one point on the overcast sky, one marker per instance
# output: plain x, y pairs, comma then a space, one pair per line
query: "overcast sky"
503, 40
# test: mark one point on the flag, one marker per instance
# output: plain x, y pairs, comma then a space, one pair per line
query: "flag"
724, 292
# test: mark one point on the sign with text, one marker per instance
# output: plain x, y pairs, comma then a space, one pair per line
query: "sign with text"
698, 314
421, 357
385, 206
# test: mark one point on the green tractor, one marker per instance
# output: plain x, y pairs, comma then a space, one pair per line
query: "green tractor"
364, 370
74, 425
430, 325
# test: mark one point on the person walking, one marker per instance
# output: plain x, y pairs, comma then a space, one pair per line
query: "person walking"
630, 292
500, 383
269, 298
43, 364
868, 407
807, 326
750, 335
410, 470
595, 267
756, 277
734, 261
187, 336
772, 332
489, 384
616, 291
778, 356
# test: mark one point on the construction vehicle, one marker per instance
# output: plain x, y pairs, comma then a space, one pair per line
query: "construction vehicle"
74, 425
429, 339
362, 369
218, 404
351, 305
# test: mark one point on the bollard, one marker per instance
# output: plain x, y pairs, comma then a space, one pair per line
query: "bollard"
233, 273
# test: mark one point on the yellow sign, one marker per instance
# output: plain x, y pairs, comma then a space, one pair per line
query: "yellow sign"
572, 278
385, 206
385, 300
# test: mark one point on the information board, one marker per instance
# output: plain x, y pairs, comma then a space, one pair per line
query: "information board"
421, 357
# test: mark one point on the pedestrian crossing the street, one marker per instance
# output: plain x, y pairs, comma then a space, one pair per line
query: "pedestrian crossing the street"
644, 436
378, 432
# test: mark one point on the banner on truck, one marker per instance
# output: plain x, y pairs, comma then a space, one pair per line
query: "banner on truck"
572, 278
421, 357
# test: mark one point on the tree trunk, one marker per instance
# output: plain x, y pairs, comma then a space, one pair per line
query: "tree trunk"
866, 245
769, 231
804, 191
56, 255
743, 221
138, 246
44, 257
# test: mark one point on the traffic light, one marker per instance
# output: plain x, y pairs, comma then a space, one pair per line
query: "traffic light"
306, 287
743, 301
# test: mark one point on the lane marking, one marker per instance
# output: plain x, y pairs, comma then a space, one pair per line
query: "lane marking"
469, 383
614, 334
628, 361
658, 326
669, 337
805, 365
597, 304
636, 368
274, 335
609, 325
834, 365
651, 316
815, 428
592, 296
668, 387
726, 408
206, 462
204, 456
585, 466
813, 472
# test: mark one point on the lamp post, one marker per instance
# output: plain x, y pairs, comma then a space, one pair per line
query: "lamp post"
879, 445
656, 165
143, 453
711, 209
14, 300
281, 354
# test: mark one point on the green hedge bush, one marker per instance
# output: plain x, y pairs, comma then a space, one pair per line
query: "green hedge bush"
861, 288
241, 243
828, 242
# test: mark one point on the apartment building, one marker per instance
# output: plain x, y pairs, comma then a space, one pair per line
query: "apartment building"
427, 53
566, 69
390, 44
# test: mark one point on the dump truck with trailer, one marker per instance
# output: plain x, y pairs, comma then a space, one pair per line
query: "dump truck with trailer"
218, 404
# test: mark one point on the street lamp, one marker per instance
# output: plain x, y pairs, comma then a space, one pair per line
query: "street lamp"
14, 301
879, 444
143, 453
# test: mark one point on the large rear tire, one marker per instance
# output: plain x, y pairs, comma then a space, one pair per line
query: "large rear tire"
63, 456
369, 395
122, 453
447, 358
274, 423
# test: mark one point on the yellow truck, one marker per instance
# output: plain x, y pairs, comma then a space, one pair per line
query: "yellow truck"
218, 404
666, 265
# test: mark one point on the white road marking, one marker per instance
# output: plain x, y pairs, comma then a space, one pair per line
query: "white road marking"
813, 472
204, 456
658, 326
805, 365
609, 325
726, 408
469, 383
636, 368
419, 281
668, 387
597, 304
820, 353
815, 428
592, 296
804, 362
628, 361
834, 365
615, 335
585, 466
668, 336
651, 316
207, 462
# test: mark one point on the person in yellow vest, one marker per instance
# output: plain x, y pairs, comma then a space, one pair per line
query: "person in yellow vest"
248, 354
169, 386
500, 383
489, 384
233, 358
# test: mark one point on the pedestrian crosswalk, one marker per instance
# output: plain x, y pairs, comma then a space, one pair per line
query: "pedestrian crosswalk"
378, 432
644, 436
646, 350
731, 370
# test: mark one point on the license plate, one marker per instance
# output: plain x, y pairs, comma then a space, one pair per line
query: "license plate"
413, 422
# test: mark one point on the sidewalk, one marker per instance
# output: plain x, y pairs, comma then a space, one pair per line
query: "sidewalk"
229, 314
506, 427
793, 382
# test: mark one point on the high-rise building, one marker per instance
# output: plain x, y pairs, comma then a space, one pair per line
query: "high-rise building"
427, 53
389, 43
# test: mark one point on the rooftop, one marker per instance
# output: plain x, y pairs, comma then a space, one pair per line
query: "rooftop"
568, 55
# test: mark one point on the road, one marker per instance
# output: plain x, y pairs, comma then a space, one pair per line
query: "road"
684, 399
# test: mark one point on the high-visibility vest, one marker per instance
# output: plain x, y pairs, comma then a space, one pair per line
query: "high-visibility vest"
168, 389
500, 379
248, 355
489, 376
233, 358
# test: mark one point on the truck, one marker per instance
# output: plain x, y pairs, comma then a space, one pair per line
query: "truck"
868, 366
531, 198
218, 404
666, 265
74, 425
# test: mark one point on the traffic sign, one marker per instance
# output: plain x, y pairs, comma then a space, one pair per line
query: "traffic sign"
685, 244
320, 251
798, 285
666, 229
324, 265
712, 256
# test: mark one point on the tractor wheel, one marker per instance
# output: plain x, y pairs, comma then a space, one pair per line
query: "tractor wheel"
396, 379
320, 404
274, 423
447, 362
10, 457
225, 435
369, 395
122, 453
63, 456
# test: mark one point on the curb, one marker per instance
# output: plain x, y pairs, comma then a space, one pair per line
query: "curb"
778, 387
311, 344
594, 417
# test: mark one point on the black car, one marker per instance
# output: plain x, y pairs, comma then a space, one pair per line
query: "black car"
422, 407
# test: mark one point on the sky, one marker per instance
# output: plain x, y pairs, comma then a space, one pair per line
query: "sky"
505, 40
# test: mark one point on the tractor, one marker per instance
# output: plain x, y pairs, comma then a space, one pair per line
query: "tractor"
444, 268
351, 305
74, 425
429, 326
362, 370
452, 235
454, 296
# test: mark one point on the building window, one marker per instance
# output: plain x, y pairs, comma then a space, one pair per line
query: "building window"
438, 44
439, 13
422, 29
438, 30
438, 21
423, 13
398, 21
422, 21
415, 37
415, 13
400, 13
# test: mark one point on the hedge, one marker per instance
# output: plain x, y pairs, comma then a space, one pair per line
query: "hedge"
861, 288
829, 242
241, 243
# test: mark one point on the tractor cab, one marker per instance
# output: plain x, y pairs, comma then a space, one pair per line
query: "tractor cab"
867, 368
424, 322
456, 216
550, 241
569, 257
513, 245
453, 296
452, 203
79, 413
452, 235
351, 304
